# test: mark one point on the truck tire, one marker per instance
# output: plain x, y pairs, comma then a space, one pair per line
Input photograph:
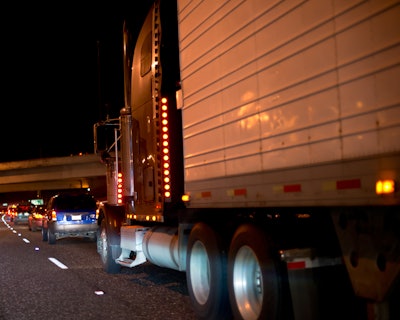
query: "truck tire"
104, 250
206, 274
253, 275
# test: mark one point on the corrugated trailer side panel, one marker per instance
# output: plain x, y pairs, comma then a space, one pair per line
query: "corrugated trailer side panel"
289, 95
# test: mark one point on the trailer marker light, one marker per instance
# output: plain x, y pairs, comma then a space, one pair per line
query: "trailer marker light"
119, 188
385, 186
165, 150
185, 198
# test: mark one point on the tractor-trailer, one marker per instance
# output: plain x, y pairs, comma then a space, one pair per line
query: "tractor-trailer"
258, 151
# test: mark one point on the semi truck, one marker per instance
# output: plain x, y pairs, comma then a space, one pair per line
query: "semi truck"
258, 152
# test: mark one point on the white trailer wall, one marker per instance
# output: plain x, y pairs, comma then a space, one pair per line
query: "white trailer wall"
274, 84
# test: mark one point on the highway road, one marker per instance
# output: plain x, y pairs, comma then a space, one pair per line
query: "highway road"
66, 281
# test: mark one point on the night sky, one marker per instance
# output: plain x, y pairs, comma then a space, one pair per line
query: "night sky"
61, 73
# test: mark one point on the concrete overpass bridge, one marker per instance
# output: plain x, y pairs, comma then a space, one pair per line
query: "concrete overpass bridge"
41, 178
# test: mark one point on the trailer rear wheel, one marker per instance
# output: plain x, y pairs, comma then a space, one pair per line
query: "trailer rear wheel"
206, 274
104, 250
253, 275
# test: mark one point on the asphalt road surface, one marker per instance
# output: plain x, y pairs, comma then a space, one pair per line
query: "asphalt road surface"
66, 281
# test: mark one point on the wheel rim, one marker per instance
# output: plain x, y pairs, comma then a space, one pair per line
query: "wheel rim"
247, 283
102, 243
200, 272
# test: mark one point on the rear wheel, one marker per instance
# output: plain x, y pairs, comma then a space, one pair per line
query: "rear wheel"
51, 237
206, 274
45, 236
104, 249
253, 275
93, 237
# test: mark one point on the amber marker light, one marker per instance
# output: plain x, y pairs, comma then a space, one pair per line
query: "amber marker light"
165, 149
119, 188
185, 198
385, 186
54, 215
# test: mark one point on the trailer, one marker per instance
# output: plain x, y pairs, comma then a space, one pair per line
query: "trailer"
258, 151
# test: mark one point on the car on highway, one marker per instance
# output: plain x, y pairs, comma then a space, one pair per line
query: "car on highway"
9, 212
35, 219
70, 214
19, 212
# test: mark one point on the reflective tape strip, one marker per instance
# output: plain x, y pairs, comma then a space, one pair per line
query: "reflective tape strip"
307, 263
288, 188
292, 188
236, 192
206, 194
296, 265
203, 194
348, 184
341, 184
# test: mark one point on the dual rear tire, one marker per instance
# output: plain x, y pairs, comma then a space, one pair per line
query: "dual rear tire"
206, 274
241, 282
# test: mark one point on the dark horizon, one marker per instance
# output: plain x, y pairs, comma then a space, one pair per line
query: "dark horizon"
62, 72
